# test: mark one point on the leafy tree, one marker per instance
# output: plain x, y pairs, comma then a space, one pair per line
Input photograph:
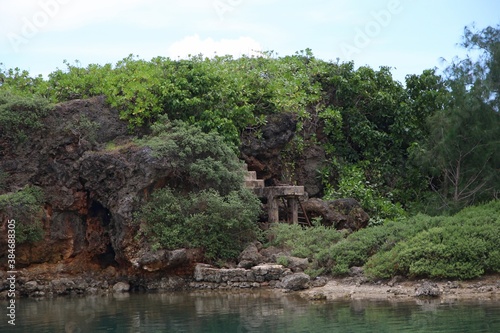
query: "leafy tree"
205, 204
198, 160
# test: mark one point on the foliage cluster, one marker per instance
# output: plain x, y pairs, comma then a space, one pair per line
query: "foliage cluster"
20, 114
352, 183
461, 246
220, 225
198, 160
206, 205
24, 206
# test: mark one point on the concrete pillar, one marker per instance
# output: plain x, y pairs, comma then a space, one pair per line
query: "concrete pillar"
294, 207
272, 209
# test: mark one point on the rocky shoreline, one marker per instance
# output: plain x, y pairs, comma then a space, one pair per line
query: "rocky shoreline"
484, 288
258, 268
261, 277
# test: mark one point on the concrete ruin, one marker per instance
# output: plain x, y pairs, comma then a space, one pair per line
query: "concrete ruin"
274, 194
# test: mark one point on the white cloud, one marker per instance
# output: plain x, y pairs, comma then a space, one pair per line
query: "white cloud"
193, 45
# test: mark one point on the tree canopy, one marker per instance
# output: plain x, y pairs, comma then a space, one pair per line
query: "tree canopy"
428, 144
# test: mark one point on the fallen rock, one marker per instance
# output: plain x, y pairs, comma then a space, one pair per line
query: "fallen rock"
121, 287
62, 286
295, 281
356, 271
250, 256
296, 264
320, 281
428, 289
31, 286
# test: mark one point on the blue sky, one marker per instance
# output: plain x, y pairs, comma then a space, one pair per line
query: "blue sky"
408, 35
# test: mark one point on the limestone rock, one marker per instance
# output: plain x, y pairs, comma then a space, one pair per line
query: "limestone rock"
296, 264
121, 287
341, 213
250, 256
428, 289
162, 259
296, 281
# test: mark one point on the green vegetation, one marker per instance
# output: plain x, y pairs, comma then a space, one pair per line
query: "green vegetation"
209, 208
199, 160
462, 246
20, 114
220, 225
24, 206
428, 145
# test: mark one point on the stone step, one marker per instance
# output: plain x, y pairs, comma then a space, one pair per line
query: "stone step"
254, 183
251, 175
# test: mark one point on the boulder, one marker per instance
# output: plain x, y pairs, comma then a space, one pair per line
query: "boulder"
428, 289
341, 214
296, 264
250, 256
152, 261
295, 281
121, 287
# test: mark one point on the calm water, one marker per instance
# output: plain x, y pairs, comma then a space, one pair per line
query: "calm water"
248, 312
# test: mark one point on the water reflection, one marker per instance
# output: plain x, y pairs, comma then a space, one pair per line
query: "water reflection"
261, 311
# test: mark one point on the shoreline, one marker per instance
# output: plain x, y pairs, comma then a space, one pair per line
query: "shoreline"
484, 288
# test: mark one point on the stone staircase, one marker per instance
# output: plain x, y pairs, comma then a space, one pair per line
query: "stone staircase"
290, 193
251, 180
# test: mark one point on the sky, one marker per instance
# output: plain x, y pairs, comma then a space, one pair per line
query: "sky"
407, 35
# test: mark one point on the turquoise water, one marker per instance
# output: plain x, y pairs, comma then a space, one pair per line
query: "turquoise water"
264, 311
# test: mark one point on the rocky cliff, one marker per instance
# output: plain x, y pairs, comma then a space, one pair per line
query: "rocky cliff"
94, 176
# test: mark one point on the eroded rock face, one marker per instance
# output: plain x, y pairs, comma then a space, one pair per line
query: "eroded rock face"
272, 155
93, 178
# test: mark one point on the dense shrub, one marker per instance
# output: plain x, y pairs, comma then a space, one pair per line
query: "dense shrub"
205, 204
358, 247
20, 114
220, 225
303, 242
353, 183
199, 160
462, 246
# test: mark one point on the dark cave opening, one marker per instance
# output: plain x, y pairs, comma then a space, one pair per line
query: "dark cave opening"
98, 210
107, 258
